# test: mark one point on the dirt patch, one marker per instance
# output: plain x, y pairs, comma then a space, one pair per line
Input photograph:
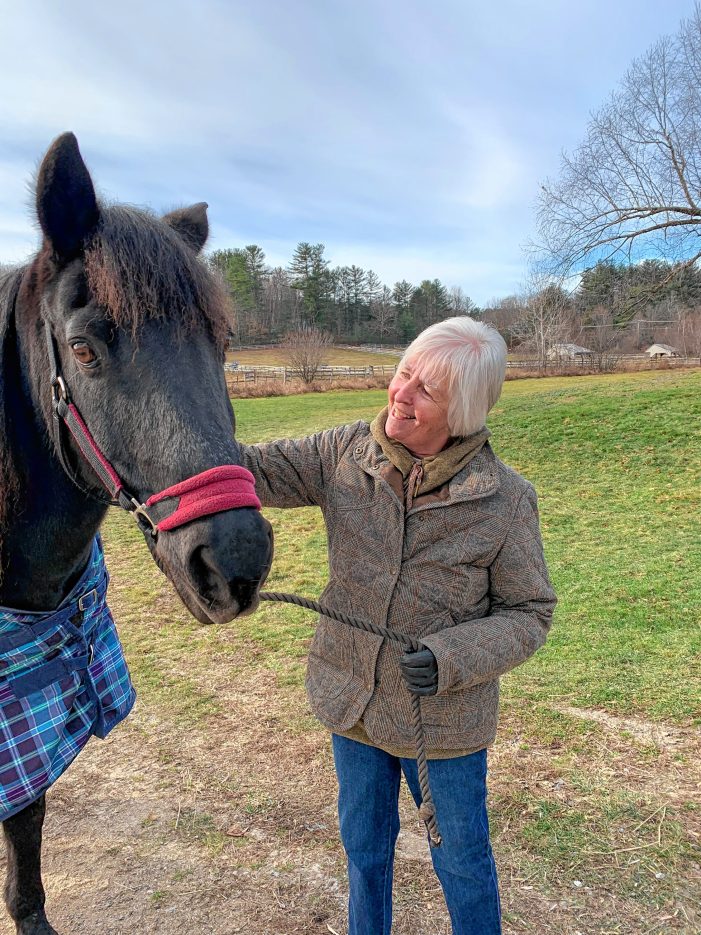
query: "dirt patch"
662, 735
229, 826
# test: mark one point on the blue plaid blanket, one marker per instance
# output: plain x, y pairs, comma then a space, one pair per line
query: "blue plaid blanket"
63, 677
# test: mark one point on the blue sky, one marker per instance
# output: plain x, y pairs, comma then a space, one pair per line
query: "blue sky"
408, 137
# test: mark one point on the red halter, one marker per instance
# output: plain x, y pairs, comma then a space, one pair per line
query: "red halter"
221, 488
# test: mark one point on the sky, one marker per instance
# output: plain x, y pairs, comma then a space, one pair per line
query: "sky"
409, 137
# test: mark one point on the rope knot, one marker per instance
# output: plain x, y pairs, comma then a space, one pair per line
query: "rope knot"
427, 811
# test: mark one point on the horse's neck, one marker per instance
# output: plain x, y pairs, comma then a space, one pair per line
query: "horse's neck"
47, 540
48, 529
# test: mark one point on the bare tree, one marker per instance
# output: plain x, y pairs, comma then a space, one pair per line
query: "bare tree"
282, 303
545, 318
383, 314
633, 186
459, 303
505, 314
689, 332
304, 350
602, 337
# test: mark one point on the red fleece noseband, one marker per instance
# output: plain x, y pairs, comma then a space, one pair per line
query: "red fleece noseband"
221, 488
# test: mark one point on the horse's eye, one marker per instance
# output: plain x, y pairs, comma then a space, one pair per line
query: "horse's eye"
84, 354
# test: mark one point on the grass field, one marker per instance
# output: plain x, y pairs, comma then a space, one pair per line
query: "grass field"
617, 464
595, 774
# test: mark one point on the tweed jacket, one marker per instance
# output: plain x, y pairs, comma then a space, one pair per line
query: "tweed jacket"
462, 570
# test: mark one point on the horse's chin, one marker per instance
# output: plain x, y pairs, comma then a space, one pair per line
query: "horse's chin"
208, 613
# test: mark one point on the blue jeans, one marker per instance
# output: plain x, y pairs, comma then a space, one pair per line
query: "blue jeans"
368, 811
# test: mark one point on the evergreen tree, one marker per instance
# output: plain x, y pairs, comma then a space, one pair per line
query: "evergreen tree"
310, 275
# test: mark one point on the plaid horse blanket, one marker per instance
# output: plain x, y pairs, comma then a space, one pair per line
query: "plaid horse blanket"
63, 677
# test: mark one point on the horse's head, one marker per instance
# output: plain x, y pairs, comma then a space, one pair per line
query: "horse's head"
138, 327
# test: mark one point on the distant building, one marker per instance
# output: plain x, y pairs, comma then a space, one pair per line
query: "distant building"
656, 351
569, 352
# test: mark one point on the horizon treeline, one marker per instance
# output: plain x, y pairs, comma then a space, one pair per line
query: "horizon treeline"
624, 304
349, 302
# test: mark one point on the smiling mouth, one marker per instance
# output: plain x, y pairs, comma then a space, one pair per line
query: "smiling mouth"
396, 414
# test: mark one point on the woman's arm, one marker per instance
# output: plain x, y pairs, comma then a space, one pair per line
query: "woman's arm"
294, 472
522, 603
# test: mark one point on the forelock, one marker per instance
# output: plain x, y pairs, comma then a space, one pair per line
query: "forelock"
140, 269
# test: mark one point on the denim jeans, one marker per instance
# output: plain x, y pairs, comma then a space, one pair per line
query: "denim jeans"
368, 811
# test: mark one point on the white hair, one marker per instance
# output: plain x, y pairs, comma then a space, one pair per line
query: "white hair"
467, 359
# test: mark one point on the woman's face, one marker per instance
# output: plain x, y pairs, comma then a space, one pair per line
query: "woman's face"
418, 413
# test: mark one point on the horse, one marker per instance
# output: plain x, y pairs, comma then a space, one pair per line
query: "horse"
112, 392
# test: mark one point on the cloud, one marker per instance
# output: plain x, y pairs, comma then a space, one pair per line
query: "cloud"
413, 134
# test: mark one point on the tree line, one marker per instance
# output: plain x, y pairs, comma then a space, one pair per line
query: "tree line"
621, 306
615, 308
350, 303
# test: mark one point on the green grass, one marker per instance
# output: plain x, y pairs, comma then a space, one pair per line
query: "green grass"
616, 461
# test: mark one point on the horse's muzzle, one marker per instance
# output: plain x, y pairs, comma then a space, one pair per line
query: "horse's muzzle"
219, 563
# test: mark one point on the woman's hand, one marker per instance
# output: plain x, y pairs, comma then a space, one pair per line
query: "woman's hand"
420, 671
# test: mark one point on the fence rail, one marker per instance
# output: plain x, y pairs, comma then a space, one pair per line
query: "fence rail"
243, 374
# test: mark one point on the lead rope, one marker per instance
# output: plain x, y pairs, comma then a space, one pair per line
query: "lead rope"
427, 810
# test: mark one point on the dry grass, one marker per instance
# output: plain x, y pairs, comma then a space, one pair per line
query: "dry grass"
295, 387
298, 387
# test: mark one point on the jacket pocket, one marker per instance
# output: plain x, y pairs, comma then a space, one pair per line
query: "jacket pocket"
330, 664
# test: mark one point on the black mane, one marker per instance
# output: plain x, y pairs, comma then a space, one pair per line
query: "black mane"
138, 268
9, 375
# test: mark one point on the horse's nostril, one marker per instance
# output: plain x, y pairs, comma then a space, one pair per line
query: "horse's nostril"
217, 587
204, 574
245, 592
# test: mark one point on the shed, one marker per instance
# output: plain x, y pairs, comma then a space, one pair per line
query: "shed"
569, 352
656, 351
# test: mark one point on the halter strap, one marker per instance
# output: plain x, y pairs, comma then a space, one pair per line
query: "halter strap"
227, 487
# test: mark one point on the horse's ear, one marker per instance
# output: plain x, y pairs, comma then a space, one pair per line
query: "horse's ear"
191, 223
66, 203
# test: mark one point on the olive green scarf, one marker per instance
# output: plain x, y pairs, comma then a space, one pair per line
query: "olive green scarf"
437, 469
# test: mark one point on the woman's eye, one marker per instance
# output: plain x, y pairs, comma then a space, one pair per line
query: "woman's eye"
84, 354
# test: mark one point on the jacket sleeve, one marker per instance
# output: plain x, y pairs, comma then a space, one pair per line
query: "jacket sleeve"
293, 472
521, 608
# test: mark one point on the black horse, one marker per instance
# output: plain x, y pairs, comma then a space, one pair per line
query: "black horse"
111, 379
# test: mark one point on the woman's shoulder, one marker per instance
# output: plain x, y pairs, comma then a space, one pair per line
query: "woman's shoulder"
333, 443
510, 480
352, 432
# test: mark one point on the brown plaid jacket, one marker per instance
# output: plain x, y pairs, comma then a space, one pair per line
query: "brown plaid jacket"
462, 570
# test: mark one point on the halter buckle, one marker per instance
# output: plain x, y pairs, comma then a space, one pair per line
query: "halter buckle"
142, 517
59, 389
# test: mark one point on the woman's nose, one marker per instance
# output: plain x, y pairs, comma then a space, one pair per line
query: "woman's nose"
405, 393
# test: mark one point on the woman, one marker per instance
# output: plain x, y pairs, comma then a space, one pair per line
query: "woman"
431, 534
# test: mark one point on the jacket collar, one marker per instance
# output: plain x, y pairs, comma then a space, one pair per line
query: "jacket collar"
479, 478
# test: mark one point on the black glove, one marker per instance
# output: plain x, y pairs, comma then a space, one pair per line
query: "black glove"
420, 671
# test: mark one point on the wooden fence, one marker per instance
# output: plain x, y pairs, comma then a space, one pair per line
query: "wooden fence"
244, 374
